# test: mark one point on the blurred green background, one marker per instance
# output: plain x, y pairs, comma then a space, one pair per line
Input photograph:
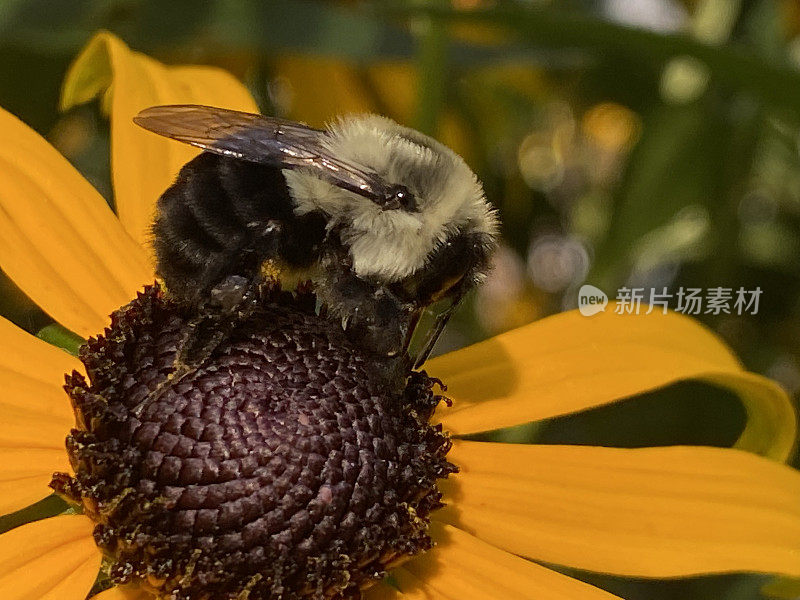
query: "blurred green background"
639, 143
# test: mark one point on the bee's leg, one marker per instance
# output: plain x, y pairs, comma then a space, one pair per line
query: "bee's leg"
234, 300
231, 293
231, 301
224, 306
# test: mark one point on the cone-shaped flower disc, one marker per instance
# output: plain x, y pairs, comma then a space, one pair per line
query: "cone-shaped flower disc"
288, 464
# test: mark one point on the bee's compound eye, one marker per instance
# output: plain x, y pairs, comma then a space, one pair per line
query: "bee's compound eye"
400, 197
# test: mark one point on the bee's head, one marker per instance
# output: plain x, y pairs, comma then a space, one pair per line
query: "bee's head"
434, 201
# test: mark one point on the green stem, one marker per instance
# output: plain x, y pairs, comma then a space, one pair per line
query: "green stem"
61, 337
432, 65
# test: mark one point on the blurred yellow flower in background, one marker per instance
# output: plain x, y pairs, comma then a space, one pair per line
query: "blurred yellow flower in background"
650, 512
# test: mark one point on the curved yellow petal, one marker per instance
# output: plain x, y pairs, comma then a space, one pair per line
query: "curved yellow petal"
59, 240
462, 567
771, 428
52, 559
652, 512
144, 164
35, 416
569, 363
122, 593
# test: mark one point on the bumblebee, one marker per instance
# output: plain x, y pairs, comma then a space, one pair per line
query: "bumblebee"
386, 220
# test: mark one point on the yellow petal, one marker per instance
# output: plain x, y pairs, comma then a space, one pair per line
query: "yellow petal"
35, 415
383, 591
569, 363
771, 428
122, 593
59, 241
52, 559
144, 164
25, 475
652, 512
462, 567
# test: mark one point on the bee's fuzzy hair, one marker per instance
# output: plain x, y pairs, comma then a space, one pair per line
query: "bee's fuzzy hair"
392, 244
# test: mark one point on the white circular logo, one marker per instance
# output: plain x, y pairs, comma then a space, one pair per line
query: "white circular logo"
591, 300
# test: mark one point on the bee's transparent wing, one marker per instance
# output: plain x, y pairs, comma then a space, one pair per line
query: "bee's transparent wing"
261, 139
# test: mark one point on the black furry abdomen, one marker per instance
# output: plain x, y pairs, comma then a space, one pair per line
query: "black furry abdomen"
224, 217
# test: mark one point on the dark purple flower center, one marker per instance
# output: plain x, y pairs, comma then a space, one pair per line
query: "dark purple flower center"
290, 464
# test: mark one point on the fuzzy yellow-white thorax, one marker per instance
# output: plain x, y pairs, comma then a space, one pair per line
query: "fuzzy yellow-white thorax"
390, 245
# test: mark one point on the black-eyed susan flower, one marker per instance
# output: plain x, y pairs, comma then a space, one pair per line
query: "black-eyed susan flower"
651, 512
